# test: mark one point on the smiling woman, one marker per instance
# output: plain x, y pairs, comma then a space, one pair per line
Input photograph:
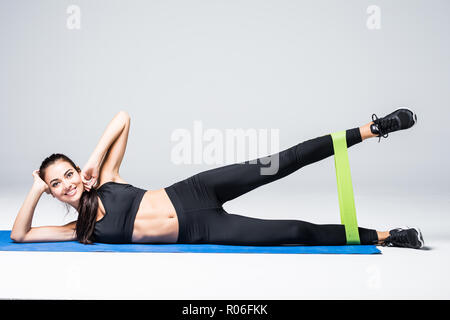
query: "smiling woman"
68, 187
59, 176
191, 210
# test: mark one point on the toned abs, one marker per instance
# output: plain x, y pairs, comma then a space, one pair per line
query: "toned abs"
156, 219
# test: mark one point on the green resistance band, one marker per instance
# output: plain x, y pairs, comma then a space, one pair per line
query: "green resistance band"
345, 188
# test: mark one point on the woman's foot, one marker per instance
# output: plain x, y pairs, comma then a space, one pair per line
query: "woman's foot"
399, 119
406, 238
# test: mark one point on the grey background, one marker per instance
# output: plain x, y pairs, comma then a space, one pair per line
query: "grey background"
307, 68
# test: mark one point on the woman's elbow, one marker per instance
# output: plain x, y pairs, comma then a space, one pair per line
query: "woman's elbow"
124, 114
17, 237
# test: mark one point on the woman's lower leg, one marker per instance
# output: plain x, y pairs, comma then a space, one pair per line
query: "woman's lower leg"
332, 234
365, 131
382, 235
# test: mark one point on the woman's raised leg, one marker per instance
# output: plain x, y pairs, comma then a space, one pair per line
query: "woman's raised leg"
230, 181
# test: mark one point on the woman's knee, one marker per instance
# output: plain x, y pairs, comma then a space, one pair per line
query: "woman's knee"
307, 233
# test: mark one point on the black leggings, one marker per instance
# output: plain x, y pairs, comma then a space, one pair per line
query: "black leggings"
198, 201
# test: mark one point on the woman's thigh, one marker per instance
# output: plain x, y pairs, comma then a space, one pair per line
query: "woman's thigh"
216, 226
235, 229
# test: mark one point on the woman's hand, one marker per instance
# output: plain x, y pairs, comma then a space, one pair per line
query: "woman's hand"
89, 175
39, 183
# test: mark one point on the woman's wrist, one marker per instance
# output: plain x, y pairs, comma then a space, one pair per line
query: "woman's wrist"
38, 188
95, 160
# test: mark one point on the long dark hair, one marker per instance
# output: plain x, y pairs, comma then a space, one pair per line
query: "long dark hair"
87, 209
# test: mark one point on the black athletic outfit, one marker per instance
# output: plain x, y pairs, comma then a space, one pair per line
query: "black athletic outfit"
121, 202
198, 202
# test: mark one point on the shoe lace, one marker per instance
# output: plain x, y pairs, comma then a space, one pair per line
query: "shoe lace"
384, 125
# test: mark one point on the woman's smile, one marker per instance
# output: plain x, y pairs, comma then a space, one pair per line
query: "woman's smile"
72, 192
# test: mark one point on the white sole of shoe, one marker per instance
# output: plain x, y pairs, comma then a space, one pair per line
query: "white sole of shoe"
414, 114
419, 235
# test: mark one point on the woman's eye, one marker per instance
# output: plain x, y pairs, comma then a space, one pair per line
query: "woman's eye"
69, 175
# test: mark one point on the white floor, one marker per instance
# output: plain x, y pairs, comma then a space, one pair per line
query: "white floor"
395, 274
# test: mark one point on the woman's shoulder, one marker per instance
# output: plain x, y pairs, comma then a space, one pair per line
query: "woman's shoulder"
115, 179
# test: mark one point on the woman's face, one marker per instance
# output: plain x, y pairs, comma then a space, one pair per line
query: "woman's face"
64, 182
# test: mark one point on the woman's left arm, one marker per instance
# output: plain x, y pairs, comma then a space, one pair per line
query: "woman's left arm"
109, 152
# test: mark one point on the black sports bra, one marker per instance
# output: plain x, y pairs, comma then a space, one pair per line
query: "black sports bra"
121, 202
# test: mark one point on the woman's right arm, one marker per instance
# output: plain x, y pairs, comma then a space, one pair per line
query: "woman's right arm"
22, 230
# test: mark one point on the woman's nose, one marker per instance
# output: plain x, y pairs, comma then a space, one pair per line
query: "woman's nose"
67, 185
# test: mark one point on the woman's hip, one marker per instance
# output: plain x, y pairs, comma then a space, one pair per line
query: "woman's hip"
192, 194
194, 205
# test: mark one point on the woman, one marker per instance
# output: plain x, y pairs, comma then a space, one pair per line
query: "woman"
189, 211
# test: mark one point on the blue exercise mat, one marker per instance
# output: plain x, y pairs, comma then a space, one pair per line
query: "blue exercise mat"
6, 244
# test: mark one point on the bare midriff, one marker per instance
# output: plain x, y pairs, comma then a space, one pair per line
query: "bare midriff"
156, 219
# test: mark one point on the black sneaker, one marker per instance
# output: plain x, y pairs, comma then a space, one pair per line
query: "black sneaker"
400, 119
407, 238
